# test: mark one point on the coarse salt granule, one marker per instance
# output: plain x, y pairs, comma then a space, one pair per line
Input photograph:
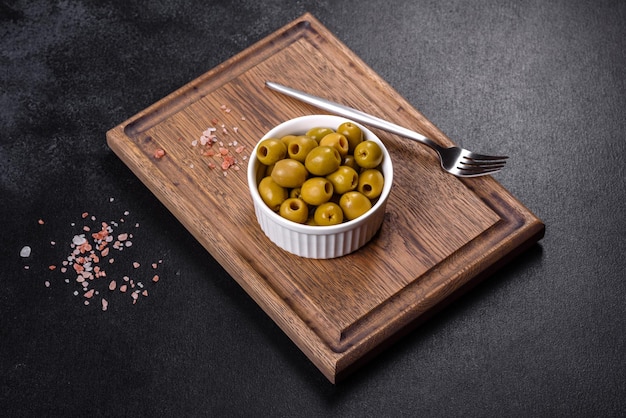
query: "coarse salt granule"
159, 153
79, 239
25, 251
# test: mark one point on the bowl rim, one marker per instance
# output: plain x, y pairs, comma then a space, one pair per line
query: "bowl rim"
287, 128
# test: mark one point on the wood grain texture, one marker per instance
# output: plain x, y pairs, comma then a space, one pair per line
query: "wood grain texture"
440, 235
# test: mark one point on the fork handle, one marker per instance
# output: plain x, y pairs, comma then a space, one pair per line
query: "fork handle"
351, 113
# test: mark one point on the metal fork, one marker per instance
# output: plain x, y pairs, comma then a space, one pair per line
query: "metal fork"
455, 160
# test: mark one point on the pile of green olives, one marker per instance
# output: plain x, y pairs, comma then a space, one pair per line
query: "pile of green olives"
324, 177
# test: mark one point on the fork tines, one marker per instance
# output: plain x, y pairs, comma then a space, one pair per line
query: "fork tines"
478, 164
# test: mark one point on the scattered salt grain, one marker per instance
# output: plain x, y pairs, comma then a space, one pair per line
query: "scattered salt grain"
105, 304
159, 153
79, 239
25, 251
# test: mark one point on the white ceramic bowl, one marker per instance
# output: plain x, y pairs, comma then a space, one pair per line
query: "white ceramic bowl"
317, 241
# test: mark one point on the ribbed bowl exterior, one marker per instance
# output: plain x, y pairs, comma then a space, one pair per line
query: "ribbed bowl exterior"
322, 245
320, 242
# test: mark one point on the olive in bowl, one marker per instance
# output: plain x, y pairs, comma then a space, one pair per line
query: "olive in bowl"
310, 221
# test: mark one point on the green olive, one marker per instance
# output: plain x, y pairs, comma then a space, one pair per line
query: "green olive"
316, 190
322, 160
351, 162
300, 146
295, 210
296, 192
271, 150
338, 141
344, 179
328, 213
371, 183
354, 204
272, 194
353, 134
318, 133
368, 154
289, 173
287, 139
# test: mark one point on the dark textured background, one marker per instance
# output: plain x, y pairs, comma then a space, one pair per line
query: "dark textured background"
543, 81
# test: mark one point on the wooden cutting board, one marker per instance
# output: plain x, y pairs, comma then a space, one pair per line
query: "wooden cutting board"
441, 234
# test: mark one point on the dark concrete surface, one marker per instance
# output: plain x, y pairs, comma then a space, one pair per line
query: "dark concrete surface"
543, 81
